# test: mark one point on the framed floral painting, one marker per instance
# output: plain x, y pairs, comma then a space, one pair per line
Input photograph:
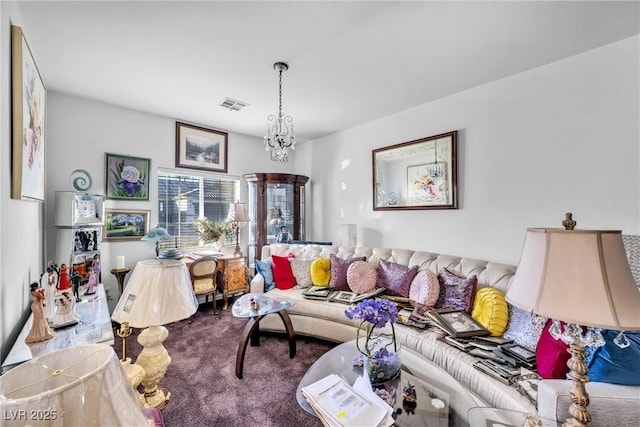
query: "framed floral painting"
126, 178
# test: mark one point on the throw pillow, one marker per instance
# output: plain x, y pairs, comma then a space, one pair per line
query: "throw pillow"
456, 292
612, 364
491, 311
320, 272
339, 269
301, 269
362, 277
425, 288
551, 356
265, 269
396, 278
524, 327
282, 274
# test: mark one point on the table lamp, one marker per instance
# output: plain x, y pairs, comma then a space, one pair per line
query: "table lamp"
581, 277
159, 292
237, 214
157, 234
83, 385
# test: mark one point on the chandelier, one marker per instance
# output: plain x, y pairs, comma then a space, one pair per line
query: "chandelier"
280, 136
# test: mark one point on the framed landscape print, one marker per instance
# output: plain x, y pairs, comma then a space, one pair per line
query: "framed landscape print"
126, 177
28, 120
201, 148
420, 174
125, 224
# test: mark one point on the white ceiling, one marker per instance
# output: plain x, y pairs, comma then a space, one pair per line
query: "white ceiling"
350, 62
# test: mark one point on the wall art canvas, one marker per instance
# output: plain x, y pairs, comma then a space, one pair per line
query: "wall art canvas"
28, 117
201, 148
126, 177
129, 224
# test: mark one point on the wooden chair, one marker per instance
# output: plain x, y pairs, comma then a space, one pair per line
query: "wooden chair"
203, 273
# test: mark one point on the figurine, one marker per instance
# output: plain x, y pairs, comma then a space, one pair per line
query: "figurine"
76, 281
66, 314
92, 283
40, 330
255, 305
96, 266
48, 282
64, 283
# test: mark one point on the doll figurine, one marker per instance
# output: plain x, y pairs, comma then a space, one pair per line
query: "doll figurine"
66, 314
76, 281
64, 283
48, 282
92, 283
40, 330
96, 266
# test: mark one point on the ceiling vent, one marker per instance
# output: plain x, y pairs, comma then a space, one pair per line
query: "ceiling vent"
233, 104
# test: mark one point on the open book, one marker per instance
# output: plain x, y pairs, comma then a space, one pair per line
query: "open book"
347, 297
337, 403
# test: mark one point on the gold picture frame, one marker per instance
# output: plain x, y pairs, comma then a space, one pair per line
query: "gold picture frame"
28, 99
125, 224
201, 148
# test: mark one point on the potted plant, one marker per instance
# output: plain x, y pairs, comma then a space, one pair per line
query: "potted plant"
212, 232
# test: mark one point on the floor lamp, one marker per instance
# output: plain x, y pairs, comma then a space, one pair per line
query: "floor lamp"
159, 292
581, 277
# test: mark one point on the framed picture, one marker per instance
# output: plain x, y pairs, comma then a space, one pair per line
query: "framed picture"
28, 120
458, 323
126, 177
201, 148
125, 224
420, 174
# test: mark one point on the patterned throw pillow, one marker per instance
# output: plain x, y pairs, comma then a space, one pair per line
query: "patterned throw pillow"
490, 309
320, 272
524, 327
282, 274
425, 288
362, 277
456, 292
301, 269
396, 278
265, 269
339, 269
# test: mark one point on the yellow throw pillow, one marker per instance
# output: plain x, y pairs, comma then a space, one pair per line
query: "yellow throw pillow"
490, 309
321, 272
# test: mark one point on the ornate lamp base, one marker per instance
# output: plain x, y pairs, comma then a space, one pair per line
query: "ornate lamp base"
579, 396
155, 360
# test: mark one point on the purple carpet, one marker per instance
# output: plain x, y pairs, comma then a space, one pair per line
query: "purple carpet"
204, 388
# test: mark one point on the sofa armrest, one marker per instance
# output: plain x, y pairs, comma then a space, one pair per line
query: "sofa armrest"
257, 284
609, 404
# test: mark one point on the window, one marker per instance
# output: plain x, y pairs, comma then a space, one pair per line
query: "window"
183, 199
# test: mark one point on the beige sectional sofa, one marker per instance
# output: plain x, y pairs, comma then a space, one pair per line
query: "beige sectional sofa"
609, 404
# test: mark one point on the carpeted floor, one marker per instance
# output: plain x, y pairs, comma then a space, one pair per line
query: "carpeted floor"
204, 388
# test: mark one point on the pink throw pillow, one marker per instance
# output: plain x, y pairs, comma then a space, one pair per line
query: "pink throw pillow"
339, 269
425, 288
362, 277
282, 273
551, 356
396, 277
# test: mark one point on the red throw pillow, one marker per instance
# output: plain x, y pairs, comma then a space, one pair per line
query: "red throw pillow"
551, 356
282, 273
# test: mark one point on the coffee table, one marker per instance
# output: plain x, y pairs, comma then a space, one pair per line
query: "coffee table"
440, 399
255, 307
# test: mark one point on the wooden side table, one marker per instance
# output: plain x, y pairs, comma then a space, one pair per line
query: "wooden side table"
233, 278
120, 274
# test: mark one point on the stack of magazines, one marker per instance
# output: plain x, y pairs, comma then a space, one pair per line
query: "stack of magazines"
337, 403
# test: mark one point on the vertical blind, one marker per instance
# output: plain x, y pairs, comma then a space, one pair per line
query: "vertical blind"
184, 199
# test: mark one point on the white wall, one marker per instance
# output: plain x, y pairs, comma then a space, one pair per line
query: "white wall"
560, 138
81, 131
21, 222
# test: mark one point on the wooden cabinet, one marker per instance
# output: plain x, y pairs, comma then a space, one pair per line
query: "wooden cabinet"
275, 200
232, 277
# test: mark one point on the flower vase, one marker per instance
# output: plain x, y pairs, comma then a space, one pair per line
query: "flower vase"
382, 366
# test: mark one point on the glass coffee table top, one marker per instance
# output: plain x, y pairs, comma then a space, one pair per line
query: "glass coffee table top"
243, 306
439, 399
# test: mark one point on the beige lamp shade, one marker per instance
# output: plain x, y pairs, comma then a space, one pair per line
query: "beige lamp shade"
577, 276
79, 386
238, 212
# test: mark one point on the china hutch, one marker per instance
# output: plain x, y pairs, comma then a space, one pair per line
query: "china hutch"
275, 200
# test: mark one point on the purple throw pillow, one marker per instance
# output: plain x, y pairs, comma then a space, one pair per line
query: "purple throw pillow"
396, 278
456, 292
339, 268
